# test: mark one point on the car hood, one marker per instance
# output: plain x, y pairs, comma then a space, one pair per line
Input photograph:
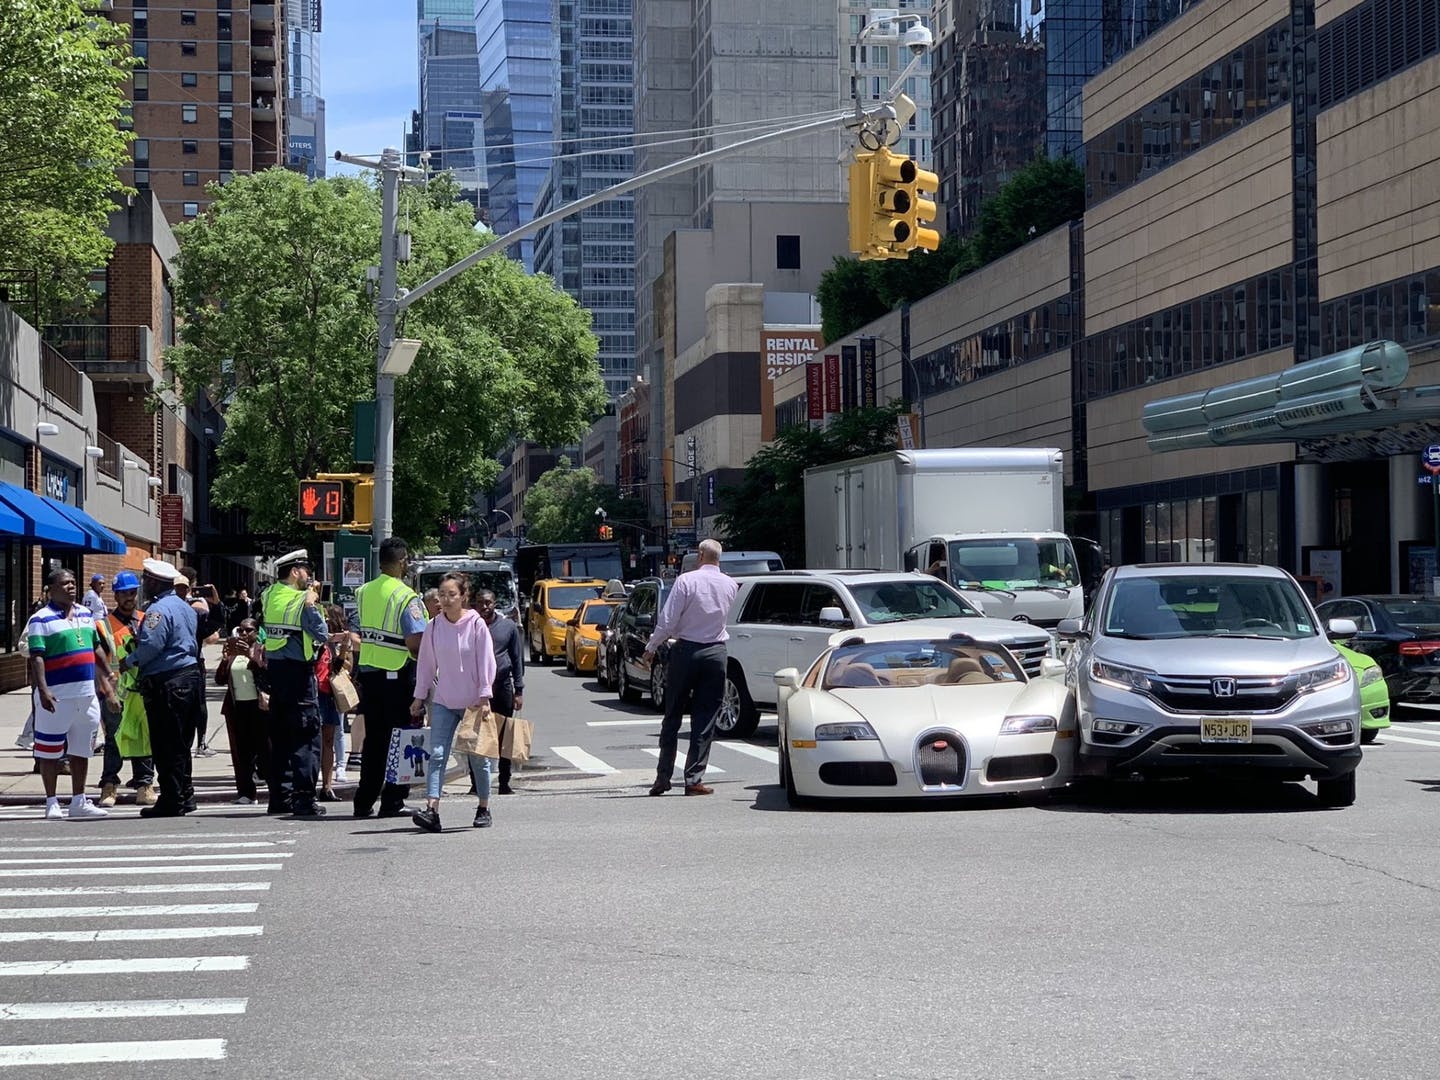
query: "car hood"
1215, 655
900, 715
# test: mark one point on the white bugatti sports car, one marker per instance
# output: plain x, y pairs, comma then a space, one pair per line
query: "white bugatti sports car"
884, 713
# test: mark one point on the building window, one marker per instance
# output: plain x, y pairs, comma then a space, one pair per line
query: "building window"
225, 88
189, 114
222, 27
787, 253
227, 121
140, 83
225, 56
187, 18
190, 179
139, 24
142, 179
190, 209
141, 49
142, 151
226, 177
189, 78
227, 155
188, 48
189, 146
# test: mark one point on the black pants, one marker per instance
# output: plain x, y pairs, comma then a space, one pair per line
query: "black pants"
294, 735
694, 677
202, 710
170, 711
385, 703
249, 745
502, 701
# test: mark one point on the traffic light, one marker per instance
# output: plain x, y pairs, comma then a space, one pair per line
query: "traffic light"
921, 186
889, 206
607, 532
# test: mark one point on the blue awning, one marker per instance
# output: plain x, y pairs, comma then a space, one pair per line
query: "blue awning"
102, 540
41, 521
11, 523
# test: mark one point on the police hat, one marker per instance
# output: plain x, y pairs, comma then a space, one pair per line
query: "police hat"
161, 571
298, 557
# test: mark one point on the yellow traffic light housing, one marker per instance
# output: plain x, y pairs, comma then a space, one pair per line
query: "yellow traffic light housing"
922, 186
862, 198
889, 207
322, 501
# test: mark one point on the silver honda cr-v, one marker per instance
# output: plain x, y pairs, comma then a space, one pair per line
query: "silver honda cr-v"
1188, 669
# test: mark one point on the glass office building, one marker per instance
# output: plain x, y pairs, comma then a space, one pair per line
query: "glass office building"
448, 122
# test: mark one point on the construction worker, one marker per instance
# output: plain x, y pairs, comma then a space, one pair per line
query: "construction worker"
294, 628
390, 621
121, 625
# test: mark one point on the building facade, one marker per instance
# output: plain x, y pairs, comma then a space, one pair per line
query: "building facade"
304, 105
449, 122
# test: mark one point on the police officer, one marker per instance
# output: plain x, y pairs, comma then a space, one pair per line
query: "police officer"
390, 621
294, 627
165, 655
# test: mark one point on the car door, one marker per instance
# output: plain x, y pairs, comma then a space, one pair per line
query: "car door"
808, 636
759, 638
534, 618
637, 636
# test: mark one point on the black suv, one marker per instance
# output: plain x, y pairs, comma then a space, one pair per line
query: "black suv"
630, 631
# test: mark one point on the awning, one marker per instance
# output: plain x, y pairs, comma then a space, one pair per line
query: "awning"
102, 540
11, 522
39, 520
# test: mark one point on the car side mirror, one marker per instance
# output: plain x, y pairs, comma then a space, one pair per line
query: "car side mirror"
1342, 629
573, 622
1070, 629
1052, 668
911, 562
789, 678
833, 614
645, 621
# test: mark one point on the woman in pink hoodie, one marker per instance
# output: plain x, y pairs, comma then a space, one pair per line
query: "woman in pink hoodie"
457, 660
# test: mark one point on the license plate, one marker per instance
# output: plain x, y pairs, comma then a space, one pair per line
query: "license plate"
1225, 731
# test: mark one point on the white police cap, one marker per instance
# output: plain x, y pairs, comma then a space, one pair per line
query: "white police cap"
162, 571
284, 562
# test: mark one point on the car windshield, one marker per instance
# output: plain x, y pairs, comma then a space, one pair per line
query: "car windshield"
901, 601
1215, 605
569, 597
919, 663
751, 566
1016, 563
500, 582
1414, 613
598, 615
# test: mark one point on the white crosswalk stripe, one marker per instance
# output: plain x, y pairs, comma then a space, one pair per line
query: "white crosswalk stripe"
122, 931
680, 761
607, 761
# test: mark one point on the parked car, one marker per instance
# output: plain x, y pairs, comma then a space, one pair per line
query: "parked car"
1402, 633
735, 563
630, 633
553, 603
605, 651
1374, 695
784, 620
890, 711
1211, 668
582, 634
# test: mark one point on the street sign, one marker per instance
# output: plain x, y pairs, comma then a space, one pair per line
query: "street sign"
172, 522
1431, 457
321, 502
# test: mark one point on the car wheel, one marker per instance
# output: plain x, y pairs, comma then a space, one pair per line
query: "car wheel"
657, 684
793, 798
1339, 791
534, 652
1367, 735
738, 717
627, 691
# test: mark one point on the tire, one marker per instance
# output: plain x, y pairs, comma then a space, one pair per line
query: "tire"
1367, 735
1339, 791
628, 693
534, 652
738, 717
793, 798
657, 685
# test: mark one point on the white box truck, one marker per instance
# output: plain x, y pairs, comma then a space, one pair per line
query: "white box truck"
989, 521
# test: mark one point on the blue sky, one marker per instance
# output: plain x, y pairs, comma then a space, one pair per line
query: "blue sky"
367, 76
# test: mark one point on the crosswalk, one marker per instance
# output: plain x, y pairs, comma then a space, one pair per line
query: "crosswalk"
727, 756
1409, 733
91, 930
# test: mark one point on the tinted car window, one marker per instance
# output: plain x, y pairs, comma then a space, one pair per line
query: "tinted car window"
1414, 613
779, 602
817, 598
598, 615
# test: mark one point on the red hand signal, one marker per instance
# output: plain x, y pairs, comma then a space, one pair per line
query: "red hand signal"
309, 500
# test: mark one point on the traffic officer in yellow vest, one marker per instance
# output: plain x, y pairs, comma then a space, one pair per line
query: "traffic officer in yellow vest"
390, 620
294, 631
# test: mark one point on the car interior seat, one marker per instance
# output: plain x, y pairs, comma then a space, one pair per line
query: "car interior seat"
854, 673
965, 670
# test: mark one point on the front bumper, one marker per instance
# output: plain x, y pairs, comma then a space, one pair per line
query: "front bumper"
553, 638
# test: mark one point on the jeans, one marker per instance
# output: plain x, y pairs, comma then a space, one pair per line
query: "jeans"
142, 770
443, 722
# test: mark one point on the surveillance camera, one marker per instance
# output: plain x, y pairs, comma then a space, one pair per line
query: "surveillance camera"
917, 39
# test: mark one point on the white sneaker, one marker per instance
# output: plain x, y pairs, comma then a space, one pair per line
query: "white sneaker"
340, 777
244, 800
85, 810
53, 811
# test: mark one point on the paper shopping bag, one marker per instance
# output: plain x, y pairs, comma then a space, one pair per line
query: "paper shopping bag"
409, 756
515, 743
476, 734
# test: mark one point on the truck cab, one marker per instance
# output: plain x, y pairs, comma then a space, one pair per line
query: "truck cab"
1025, 577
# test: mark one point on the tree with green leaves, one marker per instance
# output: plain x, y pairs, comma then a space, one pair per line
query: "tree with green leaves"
62, 70
279, 328
766, 510
560, 506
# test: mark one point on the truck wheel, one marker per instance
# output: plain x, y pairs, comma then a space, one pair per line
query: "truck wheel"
627, 691
1339, 791
738, 716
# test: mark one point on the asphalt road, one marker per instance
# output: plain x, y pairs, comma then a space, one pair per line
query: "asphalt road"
596, 932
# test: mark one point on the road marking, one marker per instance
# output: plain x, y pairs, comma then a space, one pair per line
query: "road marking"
141, 965
654, 752
50, 871
154, 933
148, 847
581, 760
117, 1010
765, 754
178, 836
126, 911
97, 1053
1385, 737
150, 858
113, 890
623, 723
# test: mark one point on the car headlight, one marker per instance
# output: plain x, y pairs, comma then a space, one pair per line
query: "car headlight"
1330, 673
849, 732
1126, 678
1372, 675
1025, 725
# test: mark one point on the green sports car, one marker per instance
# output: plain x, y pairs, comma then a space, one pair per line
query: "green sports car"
1374, 696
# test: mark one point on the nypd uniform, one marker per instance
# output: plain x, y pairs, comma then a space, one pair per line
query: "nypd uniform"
387, 611
165, 655
294, 628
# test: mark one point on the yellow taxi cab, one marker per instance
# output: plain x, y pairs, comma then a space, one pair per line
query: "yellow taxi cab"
582, 635
553, 603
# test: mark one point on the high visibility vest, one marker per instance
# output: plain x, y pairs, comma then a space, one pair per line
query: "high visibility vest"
382, 602
282, 609
125, 641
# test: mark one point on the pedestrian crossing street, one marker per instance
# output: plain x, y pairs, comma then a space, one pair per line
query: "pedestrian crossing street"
614, 748
104, 940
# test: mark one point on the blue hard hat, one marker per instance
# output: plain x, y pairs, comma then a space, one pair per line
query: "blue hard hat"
125, 579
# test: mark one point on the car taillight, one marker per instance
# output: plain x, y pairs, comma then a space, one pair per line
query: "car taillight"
1419, 648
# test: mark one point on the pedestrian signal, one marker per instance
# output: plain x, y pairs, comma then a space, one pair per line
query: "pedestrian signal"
322, 502
607, 532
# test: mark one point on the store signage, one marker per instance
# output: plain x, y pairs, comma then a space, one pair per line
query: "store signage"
868, 374
172, 522
57, 484
787, 347
815, 391
832, 383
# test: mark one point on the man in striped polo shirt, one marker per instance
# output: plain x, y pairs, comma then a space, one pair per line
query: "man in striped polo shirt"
66, 672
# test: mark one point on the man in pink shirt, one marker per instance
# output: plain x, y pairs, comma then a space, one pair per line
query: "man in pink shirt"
695, 616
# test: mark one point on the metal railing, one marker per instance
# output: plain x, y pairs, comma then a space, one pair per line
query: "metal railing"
110, 464
88, 343
60, 377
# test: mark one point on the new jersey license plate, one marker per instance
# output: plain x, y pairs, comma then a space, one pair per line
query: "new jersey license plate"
1224, 731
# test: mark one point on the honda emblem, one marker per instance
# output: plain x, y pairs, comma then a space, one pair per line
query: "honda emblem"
1222, 687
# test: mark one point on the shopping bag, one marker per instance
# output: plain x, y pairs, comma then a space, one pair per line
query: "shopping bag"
515, 743
342, 689
132, 737
408, 755
476, 734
